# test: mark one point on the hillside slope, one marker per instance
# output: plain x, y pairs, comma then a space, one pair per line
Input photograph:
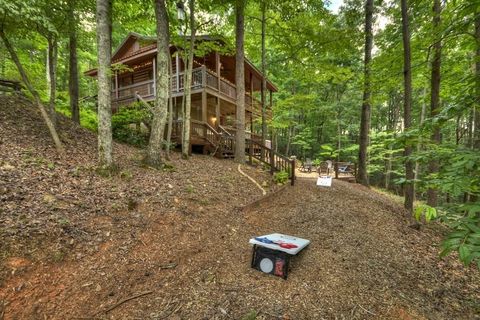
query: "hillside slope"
51, 206
78, 244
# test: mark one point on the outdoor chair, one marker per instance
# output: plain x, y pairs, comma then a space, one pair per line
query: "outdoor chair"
307, 166
323, 168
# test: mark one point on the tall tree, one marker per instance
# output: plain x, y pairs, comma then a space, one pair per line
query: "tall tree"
73, 89
435, 94
52, 58
162, 89
476, 133
366, 104
407, 107
188, 84
240, 80
104, 48
170, 111
264, 73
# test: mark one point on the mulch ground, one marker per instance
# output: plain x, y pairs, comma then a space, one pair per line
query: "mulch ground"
80, 245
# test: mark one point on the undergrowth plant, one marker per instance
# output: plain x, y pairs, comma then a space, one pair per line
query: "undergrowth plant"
130, 125
280, 177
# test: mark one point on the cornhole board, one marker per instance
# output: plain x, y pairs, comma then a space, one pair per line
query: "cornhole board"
324, 181
270, 257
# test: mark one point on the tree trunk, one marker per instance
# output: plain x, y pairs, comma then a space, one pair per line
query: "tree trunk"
73, 89
188, 84
170, 111
240, 80
391, 127
23, 74
264, 79
407, 106
154, 149
432, 194
420, 142
104, 48
289, 139
52, 75
476, 130
339, 136
365, 118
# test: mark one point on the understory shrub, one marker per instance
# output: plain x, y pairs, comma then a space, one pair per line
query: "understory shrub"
129, 125
88, 114
280, 177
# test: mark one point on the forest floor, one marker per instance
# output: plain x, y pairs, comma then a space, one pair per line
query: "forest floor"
76, 244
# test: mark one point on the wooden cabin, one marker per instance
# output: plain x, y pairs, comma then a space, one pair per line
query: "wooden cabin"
213, 86
214, 101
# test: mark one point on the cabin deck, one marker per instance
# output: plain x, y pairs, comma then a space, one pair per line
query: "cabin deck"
202, 79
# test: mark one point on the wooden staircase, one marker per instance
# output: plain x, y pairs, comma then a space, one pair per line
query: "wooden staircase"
221, 144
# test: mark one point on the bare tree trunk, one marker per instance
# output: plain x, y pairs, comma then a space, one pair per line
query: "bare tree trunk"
391, 127
289, 139
73, 65
420, 142
471, 116
365, 119
339, 136
264, 72
407, 107
104, 84
43, 112
188, 84
170, 112
52, 75
432, 194
240, 80
154, 149
476, 130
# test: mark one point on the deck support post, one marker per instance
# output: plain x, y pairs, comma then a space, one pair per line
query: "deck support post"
177, 67
204, 111
204, 106
116, 84
250, 151
154, 67
217, 112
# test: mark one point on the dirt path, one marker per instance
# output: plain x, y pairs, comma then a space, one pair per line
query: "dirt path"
363, 263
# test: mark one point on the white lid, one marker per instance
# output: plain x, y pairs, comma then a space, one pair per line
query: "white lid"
278, 237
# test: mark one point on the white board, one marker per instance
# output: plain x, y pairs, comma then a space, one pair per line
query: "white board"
324, 181
282, 238
268, 144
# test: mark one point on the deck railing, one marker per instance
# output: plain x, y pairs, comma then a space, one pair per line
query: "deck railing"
201, 78
268, 156
224, 141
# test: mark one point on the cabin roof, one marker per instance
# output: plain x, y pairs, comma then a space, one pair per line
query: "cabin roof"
125, 53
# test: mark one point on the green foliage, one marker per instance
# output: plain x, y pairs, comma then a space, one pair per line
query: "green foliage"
465, 239
128, 125
88, 116
251, 315
428, 212
281, 177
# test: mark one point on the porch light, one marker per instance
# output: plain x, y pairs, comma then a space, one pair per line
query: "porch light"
214, 119
180, 11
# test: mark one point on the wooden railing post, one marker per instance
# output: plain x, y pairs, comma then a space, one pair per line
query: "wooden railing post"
272, 161
250, 151
292, 176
